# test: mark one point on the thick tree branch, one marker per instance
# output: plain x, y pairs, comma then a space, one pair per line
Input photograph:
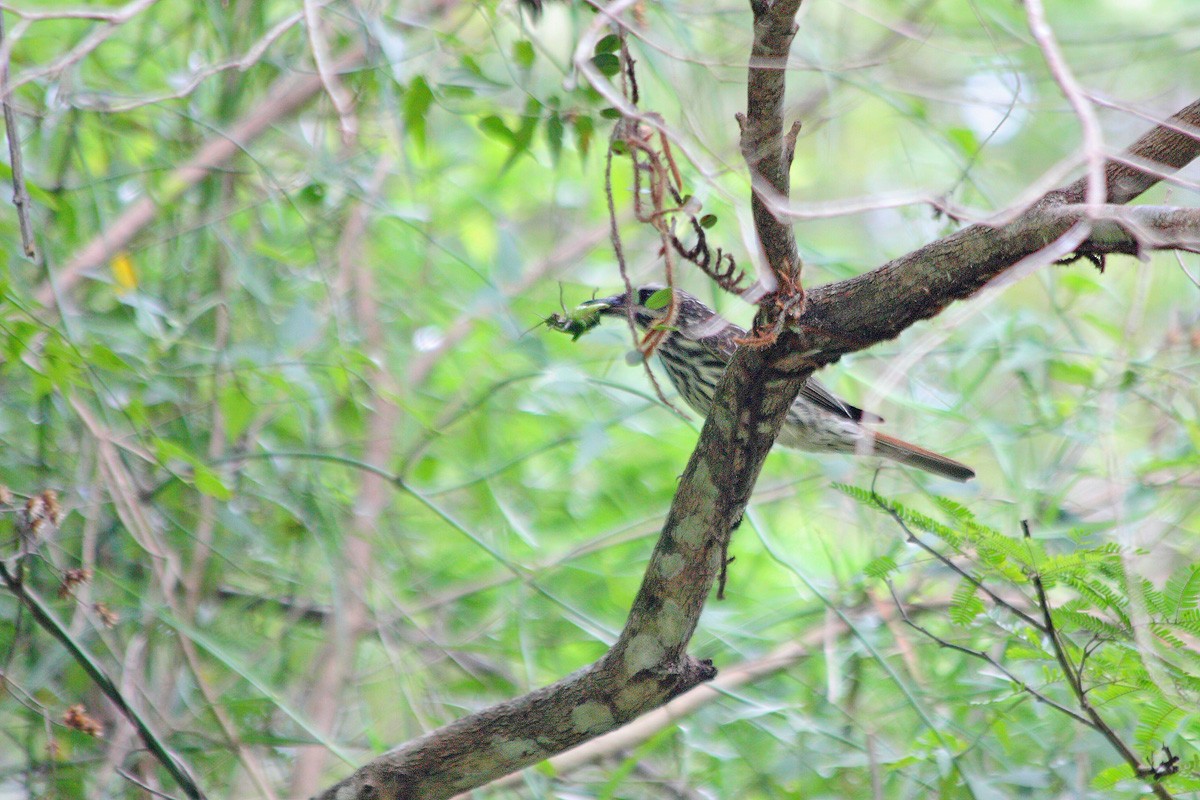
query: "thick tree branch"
851, 315
767, 151
649, 664
731, 678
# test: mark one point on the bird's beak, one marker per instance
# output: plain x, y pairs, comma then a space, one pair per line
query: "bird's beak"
606, 305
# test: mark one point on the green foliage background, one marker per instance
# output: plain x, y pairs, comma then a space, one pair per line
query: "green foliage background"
224, 362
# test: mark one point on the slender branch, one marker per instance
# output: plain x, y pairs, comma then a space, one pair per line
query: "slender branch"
20, 191
96, 37
329, 80
982, 656
1093, 142
46, 618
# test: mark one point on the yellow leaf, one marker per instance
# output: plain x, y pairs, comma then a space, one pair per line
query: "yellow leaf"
122, 269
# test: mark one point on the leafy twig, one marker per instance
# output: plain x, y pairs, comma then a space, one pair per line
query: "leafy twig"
1073, 680
976, 582
52, 625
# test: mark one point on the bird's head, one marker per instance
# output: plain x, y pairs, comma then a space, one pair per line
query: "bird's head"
650, 304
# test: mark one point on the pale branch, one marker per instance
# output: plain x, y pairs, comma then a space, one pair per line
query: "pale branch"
1130, 230
284, 97
879, 305
1169, 146
21, 198
1092, 141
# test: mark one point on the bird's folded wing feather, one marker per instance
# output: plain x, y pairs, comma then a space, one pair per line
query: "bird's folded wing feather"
814, 392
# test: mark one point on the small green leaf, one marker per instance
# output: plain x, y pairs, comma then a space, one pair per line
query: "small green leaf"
708, 220
209, 482
522, 137
659, 299
494, 127
607, 63
554, 135
964, 140
313, 193
523, 53
417, 101
584, 128
1066, 372
609, 44
610, 113
102, 357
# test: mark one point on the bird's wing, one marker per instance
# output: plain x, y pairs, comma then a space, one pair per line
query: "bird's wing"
721, 333
814, 392
718, 332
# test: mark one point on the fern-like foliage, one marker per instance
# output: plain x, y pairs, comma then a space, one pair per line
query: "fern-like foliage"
1133, 646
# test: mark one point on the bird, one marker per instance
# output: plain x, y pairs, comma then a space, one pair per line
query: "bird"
699, 345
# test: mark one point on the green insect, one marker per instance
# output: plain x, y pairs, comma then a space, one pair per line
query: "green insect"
576, 322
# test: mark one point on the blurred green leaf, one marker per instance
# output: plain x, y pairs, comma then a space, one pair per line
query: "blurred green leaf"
417, 102
523, 53
607, 63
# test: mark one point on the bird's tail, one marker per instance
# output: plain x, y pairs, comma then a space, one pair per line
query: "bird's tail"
919, 457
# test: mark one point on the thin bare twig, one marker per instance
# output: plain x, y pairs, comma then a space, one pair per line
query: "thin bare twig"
285, 96
329, 79
982, 656
20, 191
622, 267
86, 45
252, 56
1093, 141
